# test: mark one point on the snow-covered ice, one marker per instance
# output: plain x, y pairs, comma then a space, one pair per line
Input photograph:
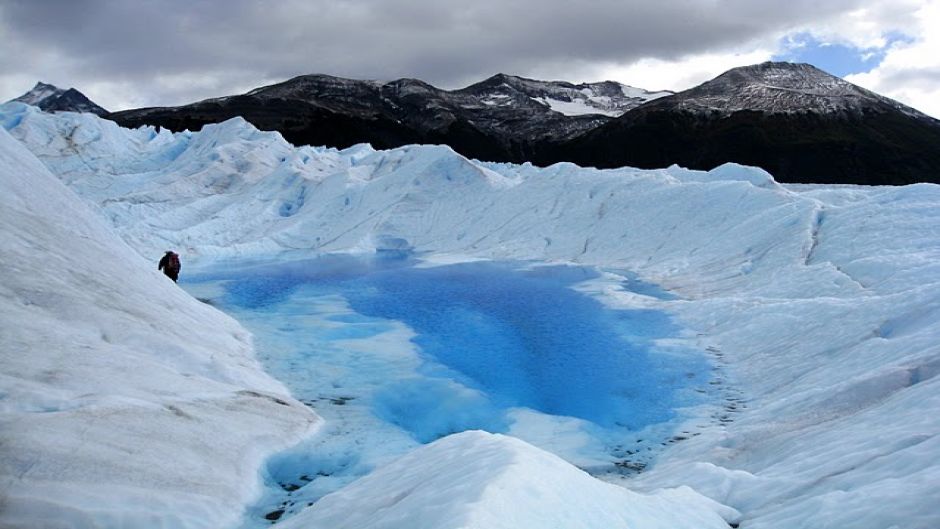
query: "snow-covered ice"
819, 304
480, 480
124, 401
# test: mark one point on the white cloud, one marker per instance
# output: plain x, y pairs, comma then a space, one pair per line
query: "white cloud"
129, 54
910, 71
683, 73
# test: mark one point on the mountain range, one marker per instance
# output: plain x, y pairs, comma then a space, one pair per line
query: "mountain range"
797, 122
502, 118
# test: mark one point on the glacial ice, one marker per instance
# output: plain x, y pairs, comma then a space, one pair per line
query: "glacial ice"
124, 402
818, 303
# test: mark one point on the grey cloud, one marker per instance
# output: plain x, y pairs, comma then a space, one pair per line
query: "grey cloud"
238, 42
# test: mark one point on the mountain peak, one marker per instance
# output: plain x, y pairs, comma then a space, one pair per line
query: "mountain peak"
772, 67
411, 82
788, 76
499, 80
503, 77
783, 88
39, 92
51, 98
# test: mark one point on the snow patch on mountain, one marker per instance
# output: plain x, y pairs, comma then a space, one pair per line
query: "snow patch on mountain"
578, 107
643, 94
597, 98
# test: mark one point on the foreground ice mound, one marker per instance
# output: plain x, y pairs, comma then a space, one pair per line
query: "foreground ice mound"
124, 402
476, 480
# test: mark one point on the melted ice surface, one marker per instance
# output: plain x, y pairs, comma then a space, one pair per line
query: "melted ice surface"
394, 355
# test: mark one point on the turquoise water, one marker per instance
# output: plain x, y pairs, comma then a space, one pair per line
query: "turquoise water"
480, 340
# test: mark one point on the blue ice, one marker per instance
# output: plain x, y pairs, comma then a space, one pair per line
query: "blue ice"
488, 337
520, 336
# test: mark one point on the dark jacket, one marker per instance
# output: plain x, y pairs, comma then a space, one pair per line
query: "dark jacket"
170, 264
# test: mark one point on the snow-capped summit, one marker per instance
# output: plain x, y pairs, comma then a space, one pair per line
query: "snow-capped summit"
54, 99
783, 87
40, 93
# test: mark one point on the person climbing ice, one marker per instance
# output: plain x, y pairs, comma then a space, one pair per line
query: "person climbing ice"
170, 264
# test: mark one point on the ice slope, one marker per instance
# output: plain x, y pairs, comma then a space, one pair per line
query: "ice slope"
476, 480
821, 303
124, 402
844, 386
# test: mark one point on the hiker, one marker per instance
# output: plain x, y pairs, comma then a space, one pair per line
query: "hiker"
170, 264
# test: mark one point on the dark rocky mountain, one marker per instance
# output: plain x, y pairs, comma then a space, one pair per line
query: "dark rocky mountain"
794, 120
53, 99
501, 118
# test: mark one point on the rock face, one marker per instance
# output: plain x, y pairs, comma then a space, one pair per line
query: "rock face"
54, 99
794, 120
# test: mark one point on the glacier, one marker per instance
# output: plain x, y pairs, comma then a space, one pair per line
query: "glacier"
819, 303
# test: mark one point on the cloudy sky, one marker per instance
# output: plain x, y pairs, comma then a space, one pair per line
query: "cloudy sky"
127, 53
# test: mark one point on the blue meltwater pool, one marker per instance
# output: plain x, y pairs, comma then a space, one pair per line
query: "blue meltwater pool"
393, 354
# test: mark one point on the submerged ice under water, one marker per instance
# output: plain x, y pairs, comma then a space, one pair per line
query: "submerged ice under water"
392, 354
